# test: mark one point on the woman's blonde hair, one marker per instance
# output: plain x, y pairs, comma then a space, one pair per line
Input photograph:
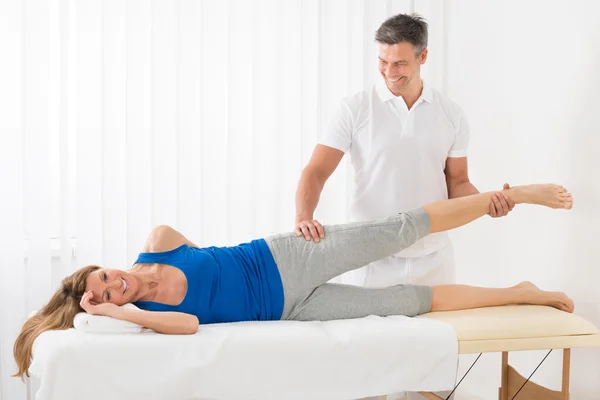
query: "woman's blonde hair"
57, 314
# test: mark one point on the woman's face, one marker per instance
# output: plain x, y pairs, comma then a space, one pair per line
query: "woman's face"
112, 286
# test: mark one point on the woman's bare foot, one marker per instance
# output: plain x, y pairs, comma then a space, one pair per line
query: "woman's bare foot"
549, 195
531, 294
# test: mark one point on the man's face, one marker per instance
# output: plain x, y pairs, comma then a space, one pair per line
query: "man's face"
400, 66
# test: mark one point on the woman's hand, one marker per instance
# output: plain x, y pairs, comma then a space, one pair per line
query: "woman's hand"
107, 309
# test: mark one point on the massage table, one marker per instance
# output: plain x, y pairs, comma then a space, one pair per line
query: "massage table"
344, 359
518, 328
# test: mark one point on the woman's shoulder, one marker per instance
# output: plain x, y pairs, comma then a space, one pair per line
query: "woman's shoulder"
164, 238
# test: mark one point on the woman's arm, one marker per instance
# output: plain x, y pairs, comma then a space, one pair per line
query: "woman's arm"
175, 323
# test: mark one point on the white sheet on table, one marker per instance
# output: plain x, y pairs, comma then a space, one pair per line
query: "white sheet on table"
344, 359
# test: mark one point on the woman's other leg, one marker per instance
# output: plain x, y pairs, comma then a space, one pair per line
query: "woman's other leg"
334, 301
460, 297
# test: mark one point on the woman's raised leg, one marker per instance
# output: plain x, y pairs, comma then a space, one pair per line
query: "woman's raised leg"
351, 246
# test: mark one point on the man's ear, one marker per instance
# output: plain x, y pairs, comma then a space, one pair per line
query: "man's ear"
423, 56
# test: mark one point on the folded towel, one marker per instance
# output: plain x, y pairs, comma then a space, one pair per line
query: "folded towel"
102, 324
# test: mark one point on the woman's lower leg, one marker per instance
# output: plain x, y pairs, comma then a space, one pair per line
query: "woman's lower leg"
449, 214
460, 297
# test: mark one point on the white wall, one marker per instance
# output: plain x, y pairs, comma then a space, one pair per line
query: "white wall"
526, 73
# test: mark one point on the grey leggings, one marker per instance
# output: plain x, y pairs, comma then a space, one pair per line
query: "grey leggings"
306, 267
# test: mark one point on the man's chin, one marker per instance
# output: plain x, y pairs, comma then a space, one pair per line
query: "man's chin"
396, 89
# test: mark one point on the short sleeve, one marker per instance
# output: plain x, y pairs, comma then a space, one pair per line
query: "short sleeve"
461, 141
338, 133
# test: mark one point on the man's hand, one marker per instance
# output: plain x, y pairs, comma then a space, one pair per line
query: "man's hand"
90, 307
500, 204
311, 229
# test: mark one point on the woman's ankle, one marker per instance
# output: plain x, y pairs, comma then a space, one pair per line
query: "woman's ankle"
516, 194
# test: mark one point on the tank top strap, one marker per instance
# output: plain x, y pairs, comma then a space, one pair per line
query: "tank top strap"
164, 257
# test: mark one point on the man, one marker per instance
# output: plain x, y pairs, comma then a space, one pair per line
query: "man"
408, 146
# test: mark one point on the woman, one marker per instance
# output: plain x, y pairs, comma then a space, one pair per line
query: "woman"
179, 285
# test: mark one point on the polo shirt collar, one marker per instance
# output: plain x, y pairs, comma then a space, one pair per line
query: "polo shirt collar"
385, 95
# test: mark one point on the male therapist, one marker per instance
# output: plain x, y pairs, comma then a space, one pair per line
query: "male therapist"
408, 147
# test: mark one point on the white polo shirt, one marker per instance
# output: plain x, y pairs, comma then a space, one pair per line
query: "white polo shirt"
398, 155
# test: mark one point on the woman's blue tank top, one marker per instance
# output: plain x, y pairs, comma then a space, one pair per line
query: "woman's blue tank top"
224, 284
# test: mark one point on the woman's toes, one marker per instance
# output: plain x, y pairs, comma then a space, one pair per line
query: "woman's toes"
569, 204
567, 200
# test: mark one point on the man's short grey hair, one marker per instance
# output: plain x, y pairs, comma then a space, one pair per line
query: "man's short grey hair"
410, 28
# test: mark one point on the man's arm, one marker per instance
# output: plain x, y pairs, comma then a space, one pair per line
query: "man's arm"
459, 185
457, 178
323, 162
